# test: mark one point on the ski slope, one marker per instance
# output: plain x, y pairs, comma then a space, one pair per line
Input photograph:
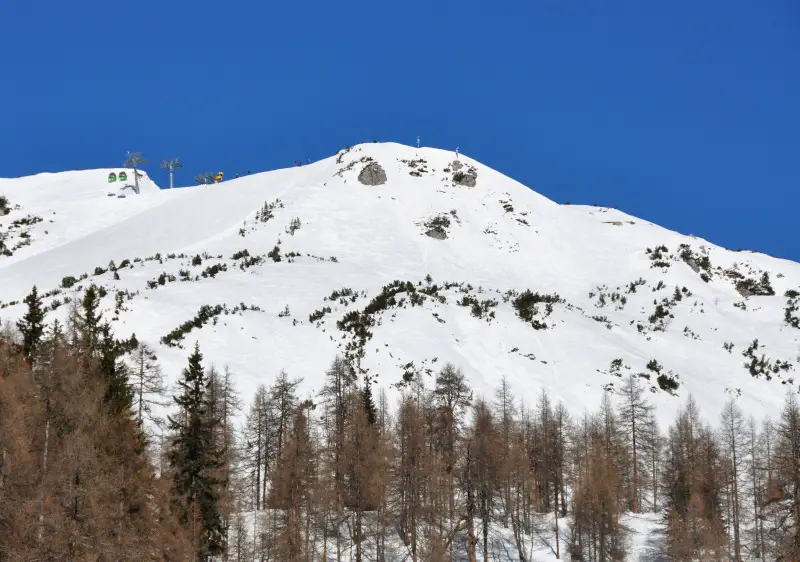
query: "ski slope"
501, 236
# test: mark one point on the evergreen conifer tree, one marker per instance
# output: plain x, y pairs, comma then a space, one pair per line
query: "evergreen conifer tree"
32, 325
86, 321
369, 401
91, 303
194, 459
118, 395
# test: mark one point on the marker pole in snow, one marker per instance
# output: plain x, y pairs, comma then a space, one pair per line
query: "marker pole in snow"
171, 165
417, 141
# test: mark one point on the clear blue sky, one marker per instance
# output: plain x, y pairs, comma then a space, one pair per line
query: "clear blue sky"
686, 113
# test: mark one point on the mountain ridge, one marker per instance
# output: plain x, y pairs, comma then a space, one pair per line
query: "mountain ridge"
605, 274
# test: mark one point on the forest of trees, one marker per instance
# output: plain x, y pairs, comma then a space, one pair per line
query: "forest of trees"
89, 472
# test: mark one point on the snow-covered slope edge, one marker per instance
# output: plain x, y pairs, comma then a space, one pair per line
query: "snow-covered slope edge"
610, 294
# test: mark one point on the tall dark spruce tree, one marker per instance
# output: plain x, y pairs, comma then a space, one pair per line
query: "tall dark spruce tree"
118, 395
369, 402
87, 322
95, 339
195, 459
31, 326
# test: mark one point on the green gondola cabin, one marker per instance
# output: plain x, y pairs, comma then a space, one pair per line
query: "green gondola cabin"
123, 176
112, 177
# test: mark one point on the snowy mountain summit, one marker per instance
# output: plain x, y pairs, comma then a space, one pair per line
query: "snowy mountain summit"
405, 259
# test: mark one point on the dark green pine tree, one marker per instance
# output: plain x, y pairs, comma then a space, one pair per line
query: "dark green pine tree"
118, 396
194, 459
32, 325
369, 401
88, 321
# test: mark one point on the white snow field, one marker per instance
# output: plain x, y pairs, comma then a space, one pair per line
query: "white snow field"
501, 236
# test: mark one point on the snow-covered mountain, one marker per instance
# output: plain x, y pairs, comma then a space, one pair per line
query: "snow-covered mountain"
444, 260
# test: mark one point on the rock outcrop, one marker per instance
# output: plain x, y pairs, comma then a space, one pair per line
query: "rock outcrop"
372, 174
467, 179
437, 232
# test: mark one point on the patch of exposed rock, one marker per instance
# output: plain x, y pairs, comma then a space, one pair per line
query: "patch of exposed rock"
467, 179
691, 262
437, 233
372, 174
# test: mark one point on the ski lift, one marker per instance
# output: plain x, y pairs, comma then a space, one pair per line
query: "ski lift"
123, 176
112, 177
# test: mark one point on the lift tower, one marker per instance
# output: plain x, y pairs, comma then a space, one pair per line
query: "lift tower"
171, 165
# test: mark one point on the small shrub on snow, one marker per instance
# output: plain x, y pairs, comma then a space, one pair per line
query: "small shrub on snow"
275, 254
319, 314
265, 213
792, 306
240, 254
212, 270
294, 226
203, 316
357, 323
668, 383
343, 295
526, 307
658, 256
478, 309
634, 284
439, 221
763, 365
750, 287
386, 298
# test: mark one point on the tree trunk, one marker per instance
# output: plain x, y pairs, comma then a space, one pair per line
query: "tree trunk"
139, 417
558, 545
756, 515
486, 537
635, 466
602, 541
654, 474
258, 469
737, 547
45, 450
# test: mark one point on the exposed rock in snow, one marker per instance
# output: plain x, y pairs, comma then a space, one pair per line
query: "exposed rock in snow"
468, 178
372, 174
438, 233
691, 262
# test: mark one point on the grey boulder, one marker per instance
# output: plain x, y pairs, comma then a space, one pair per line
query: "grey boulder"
372, 174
